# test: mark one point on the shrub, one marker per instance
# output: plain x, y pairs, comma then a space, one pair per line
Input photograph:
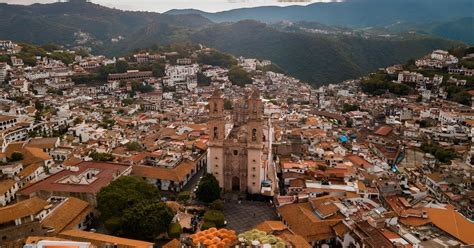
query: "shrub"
214, 216
16, 156
217, 204
184, 196
175, 230
133, 146
207, 225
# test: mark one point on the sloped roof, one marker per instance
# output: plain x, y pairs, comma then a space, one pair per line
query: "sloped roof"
302, 220
22, 209
6, 185
103, 238
384, 130
67, 215
176, 174
453, 223
270, 226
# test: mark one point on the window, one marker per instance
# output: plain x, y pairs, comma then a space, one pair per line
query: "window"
216, 136
217, 165
217, 158
253, 168
215, 106
254, 134
236, 153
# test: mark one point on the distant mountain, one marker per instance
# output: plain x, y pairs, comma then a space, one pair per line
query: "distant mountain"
350, 13
317, 58
312, 51
61, 23
460, 29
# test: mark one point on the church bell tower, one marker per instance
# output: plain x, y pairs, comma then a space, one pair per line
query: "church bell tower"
216, 128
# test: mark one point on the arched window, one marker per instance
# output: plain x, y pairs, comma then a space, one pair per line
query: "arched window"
216, 136
215, 107
254, 134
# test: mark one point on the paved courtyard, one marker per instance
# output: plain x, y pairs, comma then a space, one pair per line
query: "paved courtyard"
247, 214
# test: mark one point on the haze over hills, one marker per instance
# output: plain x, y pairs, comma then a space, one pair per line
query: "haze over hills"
350, 13
449, 19
315, 52
316, 58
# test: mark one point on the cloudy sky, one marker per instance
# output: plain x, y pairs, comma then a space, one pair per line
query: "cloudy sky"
164, 5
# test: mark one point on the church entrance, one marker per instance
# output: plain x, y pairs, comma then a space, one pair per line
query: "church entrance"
235, 184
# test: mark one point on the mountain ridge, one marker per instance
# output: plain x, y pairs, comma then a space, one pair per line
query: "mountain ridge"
330, 56
351, 13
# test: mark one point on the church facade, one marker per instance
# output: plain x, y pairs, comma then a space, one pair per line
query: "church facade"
239, 149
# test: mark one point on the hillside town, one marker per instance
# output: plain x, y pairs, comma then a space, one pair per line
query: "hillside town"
233, 152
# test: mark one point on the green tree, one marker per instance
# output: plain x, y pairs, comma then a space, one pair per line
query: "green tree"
184, 196
207, 225
208, 190
227, 104
133, 146
121, 194
101, 156
217, 204
273, 68
146, 220
158, 69
141, 87
217, 58
214, 216
175, 230
239, 76
202, 80
16, 156
121, 66
107, 122
38, 105
440, 153
346, 107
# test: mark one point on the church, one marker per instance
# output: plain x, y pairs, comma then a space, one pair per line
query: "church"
239, 149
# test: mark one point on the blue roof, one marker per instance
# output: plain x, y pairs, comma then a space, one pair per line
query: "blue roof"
343, 138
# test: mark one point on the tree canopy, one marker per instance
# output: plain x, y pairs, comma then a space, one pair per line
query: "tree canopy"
214, 216
202, 80
380, 83
217, 58
133, 146
239, 76
101, 156
440, 153
146, 220
16, 156
121, 66
208, 190
130, 206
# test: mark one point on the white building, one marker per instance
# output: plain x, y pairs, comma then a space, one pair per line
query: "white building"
3, 72
248, 64
180, 72
410, 77
8, 189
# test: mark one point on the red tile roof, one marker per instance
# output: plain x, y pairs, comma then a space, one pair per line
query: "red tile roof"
107, 173
383, 130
